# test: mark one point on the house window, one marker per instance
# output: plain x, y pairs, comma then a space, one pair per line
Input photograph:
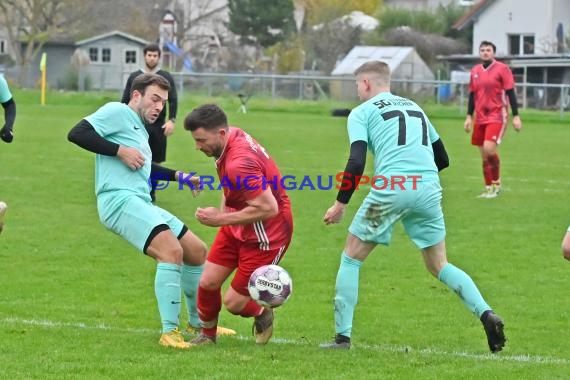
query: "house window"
528, 44
94, 54
130, 56
520, 44
2, 47
106, 55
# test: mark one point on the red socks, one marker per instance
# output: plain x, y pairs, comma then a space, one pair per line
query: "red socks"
491, 170
487, 172
209, 306
251, 309
495, 168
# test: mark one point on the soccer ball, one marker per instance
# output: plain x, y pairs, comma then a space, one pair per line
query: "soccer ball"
270, 286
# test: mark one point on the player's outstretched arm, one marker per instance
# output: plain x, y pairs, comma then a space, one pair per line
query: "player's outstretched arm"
191, 180
352, 172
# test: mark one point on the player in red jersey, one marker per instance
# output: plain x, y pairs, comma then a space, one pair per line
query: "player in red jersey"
255, 220
490, 85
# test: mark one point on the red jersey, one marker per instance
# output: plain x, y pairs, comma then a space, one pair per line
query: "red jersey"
488, 86
246, 171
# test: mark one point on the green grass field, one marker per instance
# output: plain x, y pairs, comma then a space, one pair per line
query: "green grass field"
76, 301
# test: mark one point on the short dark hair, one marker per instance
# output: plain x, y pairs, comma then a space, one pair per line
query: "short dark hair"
141, 82
488, 43
207, 116
152, 47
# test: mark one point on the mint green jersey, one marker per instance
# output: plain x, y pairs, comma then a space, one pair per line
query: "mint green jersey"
5, 93
399, 135
118, 123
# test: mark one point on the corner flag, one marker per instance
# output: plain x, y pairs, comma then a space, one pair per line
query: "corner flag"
43, 62
43, 81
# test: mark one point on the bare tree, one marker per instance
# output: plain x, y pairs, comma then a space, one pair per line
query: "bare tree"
428, 46
330, 42
143, 19
202, 32
33, 22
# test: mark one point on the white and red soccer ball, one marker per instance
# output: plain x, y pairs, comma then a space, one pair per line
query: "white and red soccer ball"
270, 286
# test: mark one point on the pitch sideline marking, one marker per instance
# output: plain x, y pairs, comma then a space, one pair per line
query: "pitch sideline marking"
376, 347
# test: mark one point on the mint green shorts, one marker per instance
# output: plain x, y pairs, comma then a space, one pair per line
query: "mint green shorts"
419, 210
133, 218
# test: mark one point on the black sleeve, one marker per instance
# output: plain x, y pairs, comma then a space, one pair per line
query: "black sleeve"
172, 97
440, 155
471, 103
513, 101
354, 169
84, 135
127, 91
170, 173
9, 113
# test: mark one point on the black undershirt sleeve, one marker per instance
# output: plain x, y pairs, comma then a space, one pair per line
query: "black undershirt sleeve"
440, 155
127, 91
354, 169
170, 173
9, 113
471, 104
84, 135
513, 101
172, 98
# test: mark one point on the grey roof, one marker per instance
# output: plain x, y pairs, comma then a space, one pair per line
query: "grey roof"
112, 33
392, 55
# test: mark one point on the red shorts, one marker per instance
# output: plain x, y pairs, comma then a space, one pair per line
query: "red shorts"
246, 257
487, 132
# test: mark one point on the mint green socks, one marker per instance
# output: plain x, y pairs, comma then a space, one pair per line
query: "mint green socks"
464, 287
190, 279
167, 290
346, 295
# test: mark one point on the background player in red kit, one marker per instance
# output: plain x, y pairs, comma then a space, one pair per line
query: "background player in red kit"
256, 224
490, 84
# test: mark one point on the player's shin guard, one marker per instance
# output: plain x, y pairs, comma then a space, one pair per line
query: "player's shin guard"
190, 279
464, 287
209, 306
346, 294
167, 290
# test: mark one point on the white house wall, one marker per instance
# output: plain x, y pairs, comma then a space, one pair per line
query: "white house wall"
505, 17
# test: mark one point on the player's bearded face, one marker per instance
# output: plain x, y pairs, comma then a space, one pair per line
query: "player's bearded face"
209, 142
151, 59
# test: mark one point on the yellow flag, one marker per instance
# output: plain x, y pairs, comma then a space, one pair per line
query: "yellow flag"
43, 62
